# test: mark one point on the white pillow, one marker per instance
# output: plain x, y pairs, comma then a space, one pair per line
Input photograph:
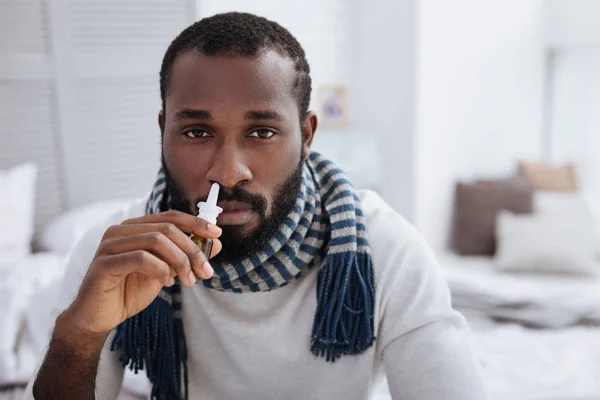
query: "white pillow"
546, 242
17, 208
583, 206
63, 232
593, 202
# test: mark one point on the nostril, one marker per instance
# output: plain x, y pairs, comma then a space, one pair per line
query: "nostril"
228, 175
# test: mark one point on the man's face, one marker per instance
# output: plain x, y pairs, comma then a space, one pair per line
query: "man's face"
235, 121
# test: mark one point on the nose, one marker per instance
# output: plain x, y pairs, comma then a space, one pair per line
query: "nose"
229, 167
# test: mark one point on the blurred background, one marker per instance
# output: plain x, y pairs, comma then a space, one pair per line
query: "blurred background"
477, 120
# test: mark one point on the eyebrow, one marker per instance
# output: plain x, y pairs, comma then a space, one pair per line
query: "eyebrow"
263, 115
190, 113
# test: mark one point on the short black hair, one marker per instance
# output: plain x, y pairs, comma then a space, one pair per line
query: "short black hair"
240, 35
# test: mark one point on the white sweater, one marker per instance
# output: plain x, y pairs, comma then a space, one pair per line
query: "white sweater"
257, 345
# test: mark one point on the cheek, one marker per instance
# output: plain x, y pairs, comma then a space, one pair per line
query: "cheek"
186, 165
277, 170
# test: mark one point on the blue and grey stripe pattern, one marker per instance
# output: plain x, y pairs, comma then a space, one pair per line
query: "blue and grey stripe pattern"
325, 229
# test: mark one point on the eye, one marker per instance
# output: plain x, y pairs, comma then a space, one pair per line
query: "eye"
196, 133
262, 134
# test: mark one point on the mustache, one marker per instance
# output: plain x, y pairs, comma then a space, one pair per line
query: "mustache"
257, 201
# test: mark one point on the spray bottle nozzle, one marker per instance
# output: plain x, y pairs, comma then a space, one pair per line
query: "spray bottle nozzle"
209, 211
213, 194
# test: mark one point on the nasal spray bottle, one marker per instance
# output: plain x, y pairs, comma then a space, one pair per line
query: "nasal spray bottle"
208, 211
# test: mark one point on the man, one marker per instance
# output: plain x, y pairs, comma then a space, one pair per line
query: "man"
313, 289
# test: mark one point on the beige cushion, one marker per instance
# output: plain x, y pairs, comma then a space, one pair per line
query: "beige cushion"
475, 208
549, 177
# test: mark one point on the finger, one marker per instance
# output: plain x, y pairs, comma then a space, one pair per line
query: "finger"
217, 247
198, 260
160, 245
186, 222
138, 261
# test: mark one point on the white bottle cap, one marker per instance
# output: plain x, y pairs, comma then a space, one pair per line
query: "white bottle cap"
209, 211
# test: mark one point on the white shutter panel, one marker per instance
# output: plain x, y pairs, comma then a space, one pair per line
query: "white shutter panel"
28, 126
79, 94
119, 136
116, 51
23, 27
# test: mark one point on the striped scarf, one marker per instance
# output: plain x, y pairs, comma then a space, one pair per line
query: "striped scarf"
325, 229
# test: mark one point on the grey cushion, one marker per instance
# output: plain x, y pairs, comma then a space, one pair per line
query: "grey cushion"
475, 207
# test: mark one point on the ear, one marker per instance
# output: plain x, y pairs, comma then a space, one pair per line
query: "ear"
309, 127
161, 122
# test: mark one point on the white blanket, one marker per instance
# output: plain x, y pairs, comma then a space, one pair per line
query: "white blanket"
528, 364
548, 301
521, 363
26, 290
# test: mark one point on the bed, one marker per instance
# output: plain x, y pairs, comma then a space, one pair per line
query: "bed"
538, 336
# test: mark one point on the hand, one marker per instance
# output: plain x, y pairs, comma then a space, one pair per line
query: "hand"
132, 264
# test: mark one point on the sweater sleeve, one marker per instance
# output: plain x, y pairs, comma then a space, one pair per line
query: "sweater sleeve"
110, 372
426, 346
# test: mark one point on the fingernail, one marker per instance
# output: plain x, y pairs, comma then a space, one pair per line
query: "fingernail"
208, 269
191, 277
214, 229
171, 281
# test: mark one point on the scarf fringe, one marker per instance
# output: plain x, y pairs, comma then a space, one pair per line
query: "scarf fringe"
345, 302
156, 340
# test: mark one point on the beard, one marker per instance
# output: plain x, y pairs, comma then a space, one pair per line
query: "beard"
236, 244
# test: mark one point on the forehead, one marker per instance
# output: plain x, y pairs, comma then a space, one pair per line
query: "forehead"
227, 83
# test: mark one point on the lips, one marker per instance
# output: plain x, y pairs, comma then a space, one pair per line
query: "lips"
235, 213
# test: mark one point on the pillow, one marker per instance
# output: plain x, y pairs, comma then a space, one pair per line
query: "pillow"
583, 206
63, 232
544, 176
475, 208
17, 208
593, 201
572, 204
546, 242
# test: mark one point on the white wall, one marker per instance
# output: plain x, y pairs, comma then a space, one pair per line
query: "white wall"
575, 123
572, 33
479, 98
384, 83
